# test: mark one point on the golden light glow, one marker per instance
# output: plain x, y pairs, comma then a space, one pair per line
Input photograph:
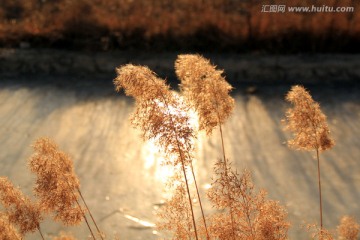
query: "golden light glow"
151, 153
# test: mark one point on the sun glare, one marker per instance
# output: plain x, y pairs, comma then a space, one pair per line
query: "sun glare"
151, 153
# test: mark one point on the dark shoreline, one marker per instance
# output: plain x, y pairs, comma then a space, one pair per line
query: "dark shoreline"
238, 68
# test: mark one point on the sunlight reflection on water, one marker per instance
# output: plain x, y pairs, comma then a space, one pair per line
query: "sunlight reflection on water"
152, 154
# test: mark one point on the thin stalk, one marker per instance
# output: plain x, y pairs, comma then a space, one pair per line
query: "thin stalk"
182, 163
226, 174
201, 207
87, 223
77, 202
97, 228
314, 126
42, 236
320, 198
189, 197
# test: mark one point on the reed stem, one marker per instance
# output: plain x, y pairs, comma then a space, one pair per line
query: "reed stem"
182, 165
320, 198
97, 228
42, 236
83, 213
189, 196
201, 207
226, 175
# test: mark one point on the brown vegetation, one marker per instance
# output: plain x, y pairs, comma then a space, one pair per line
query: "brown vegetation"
241, 211
183, 24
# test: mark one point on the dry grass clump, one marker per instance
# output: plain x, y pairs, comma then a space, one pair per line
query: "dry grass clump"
57, 190
348, 229
21, 211
242, 211
57, 185
162, 117
254, 216
246, 213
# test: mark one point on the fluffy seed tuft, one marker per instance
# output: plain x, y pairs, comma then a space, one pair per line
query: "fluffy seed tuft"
56, 183
206, 89
307, 122
21, 211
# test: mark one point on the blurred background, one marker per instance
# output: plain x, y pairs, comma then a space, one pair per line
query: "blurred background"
162, 25
57, 64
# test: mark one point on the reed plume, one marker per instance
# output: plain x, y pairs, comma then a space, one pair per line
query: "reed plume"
348, 228
176, 213
254, 216
161, 115
206, 89
57, 185
7, 230
273, 224
309, 127
21, 211
56, 182
208, 92
307, 122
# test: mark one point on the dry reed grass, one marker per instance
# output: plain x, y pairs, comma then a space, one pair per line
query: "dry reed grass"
254, 216
243, 212
57, 190
56, 182
310, 129
162, 116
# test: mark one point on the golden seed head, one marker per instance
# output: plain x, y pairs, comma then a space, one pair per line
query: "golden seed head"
140, 82
160, 113
21, 211
307, 122
56, 183
206, 89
